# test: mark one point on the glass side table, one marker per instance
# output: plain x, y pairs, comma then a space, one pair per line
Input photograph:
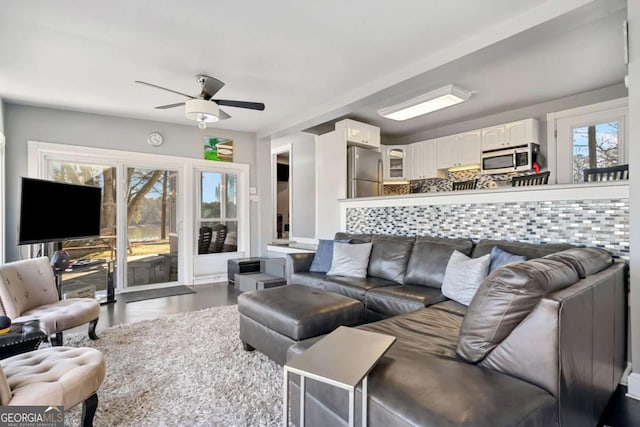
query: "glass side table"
21, 338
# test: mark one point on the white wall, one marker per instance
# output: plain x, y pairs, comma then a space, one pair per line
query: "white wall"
634, 191
1, 116
302, 167
24, 123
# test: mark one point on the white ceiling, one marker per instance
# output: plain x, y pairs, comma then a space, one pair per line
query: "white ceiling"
293, 55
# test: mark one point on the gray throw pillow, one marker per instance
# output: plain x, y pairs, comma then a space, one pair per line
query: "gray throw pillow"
350, 260
464, 276
324, 255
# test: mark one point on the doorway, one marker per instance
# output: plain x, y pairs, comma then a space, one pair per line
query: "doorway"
281, 176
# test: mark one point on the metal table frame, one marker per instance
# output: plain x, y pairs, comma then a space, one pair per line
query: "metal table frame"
306, 365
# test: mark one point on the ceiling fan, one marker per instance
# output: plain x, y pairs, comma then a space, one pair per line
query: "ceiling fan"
202, 107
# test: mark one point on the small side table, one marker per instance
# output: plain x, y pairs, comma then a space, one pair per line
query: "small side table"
21, 338
343, 359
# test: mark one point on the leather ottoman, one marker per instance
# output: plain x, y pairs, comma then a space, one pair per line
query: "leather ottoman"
272, 320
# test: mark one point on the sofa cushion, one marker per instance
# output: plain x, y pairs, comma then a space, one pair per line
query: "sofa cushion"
353, 237
500, 258
324, 256
504, 299
394, 300
422, 382
463, 276
389, 257
350, 260
429, 258
354, 287
586, 261
530, 250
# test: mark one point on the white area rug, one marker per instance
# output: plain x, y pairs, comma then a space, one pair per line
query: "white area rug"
185, 369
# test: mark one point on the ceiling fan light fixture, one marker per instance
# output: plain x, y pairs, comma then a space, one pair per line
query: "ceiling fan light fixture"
202, 111
432, 101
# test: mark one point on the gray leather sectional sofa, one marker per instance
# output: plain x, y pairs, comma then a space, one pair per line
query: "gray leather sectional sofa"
541, 344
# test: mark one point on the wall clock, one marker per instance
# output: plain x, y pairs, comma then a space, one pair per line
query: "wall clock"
154, 139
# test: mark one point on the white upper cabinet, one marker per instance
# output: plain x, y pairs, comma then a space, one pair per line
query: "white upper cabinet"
395, 166
446, 152
458, 150
510, 134
422, 157
361, 134
469, 147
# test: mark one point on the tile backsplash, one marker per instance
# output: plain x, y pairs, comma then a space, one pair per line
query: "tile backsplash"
432, 185
600, 223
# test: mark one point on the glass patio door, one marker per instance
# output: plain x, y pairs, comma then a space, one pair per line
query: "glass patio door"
151, 226
97, 253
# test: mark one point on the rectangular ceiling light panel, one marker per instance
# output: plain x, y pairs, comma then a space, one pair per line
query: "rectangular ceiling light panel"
423, 104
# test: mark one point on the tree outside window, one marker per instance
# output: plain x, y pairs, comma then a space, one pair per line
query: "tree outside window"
595, 146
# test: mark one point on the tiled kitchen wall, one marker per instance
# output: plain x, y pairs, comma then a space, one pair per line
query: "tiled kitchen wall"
432, 185
601, 223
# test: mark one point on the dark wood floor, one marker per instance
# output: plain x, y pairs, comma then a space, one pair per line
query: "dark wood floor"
622, 411
206, 296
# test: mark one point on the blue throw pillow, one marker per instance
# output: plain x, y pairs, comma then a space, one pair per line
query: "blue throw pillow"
500, 258
324, 255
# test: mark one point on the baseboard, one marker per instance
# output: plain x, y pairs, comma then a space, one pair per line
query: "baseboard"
625, 375
212, 278
633, 390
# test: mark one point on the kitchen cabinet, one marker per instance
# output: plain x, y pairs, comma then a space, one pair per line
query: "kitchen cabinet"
358, 133
395, 162
510, 134
422, 164
458, 150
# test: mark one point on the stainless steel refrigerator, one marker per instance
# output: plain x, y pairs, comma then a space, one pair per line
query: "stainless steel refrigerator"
364, 172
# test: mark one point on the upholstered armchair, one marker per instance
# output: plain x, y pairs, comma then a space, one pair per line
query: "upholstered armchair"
55, 376
28, 291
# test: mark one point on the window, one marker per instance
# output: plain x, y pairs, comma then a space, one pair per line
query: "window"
595, 146
593, 136
218, 212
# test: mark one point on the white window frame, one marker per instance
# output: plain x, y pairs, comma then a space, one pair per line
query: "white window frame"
212, 267
223, 201
560, 146
40, 153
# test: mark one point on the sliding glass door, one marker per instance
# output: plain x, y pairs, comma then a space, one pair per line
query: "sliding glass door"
97, 253
151, 233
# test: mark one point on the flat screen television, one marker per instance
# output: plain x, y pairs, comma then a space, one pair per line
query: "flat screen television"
54, 211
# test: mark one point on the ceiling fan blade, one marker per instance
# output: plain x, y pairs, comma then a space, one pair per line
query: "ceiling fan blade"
211, 86
240, 104
165, 107
164, 88
223, 116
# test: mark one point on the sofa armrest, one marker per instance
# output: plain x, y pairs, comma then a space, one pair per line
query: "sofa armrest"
298, 262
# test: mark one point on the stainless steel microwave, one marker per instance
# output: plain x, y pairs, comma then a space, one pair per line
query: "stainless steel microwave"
513, 159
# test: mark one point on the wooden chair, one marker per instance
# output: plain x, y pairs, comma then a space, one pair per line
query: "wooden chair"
535, 179
204, 240
221, 236
465, 185
613, 173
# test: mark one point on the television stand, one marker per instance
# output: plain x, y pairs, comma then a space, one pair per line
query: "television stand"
87, 266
